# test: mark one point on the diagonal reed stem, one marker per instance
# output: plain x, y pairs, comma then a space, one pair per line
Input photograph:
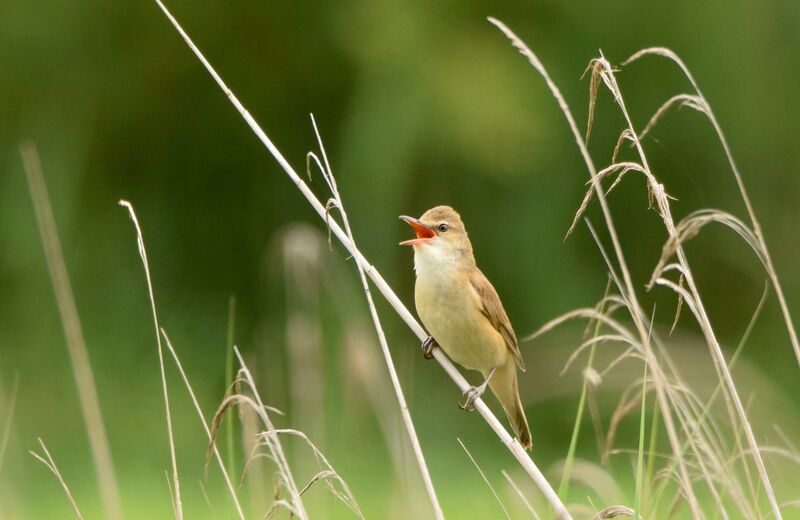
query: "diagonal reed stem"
512, 444
376, 321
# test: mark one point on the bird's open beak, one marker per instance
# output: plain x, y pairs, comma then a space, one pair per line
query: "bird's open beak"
424, 233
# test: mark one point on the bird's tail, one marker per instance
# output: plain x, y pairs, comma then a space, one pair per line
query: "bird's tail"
504, 385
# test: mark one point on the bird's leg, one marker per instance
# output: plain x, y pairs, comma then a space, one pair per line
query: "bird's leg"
475, 392
427, 347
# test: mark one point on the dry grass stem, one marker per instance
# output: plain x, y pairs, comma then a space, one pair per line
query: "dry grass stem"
486, 480
199, 410
695, 300
512, 444
12, 405
327, 473
614, 512
48, 461
270, 439
143, 254
521, 495
73, 332
625, 285
703, 103
327, 174
254, 472
681, 100
207, 500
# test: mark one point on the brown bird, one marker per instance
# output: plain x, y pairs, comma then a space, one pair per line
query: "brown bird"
463, 313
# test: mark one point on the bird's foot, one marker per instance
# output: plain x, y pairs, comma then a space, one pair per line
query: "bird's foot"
427, 347
471, 395
475, 392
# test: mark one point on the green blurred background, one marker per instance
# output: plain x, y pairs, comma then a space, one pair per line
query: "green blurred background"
419, 103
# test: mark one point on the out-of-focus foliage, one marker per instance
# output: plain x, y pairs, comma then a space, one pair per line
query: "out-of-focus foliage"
419, 103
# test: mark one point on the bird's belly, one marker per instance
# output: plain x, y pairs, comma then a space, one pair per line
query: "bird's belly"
452, 316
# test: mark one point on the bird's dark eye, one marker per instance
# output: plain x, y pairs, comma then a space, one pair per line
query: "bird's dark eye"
443, 227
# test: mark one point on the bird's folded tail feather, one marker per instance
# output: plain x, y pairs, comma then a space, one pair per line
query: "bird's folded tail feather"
504, 386
520, 423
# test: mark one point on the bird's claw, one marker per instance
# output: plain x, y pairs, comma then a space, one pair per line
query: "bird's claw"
471, 395
427, 347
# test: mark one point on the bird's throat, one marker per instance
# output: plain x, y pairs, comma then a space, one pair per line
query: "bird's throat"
438, 263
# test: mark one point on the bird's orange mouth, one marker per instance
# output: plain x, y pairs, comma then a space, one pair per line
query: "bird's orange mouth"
424, 233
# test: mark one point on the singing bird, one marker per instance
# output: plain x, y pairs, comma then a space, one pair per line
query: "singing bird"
462, 312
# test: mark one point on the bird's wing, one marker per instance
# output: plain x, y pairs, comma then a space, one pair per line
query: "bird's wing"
492, 308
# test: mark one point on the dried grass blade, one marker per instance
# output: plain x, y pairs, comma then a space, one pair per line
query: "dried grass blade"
73, 332
173, 459
48, 461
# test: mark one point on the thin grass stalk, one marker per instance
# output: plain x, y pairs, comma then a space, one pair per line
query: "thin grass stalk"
328, 475
486, 480
521, 495
651, 454
676, 400
637, 500
387, 355
229, 339
483, 410
563, 487
173, 459
48, 461
273, 442
171, 495
12, 405
207, 500
704, 322
628, 290
704, 415
602, 68
196, 403
73, 332
254, 472
772, 273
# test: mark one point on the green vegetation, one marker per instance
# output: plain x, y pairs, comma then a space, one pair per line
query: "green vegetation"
654, 404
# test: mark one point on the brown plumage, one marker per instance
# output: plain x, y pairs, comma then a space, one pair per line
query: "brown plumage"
462, 311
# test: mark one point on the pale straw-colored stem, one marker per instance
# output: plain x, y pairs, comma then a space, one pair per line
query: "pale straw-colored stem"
199, 410
700, 312
512, 444
76, 344
773, 274
143, 254
630, 293
376, 321
271, 438
48, 461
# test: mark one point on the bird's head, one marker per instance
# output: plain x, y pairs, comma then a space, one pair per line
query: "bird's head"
441, 236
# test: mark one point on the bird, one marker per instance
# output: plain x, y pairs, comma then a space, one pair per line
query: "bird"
463, 314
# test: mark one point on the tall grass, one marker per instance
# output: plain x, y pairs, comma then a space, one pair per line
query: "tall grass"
73, 332
714, 464
369, 270
677, 403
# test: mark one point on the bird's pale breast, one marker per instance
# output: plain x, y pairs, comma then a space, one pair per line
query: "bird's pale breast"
451, 311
